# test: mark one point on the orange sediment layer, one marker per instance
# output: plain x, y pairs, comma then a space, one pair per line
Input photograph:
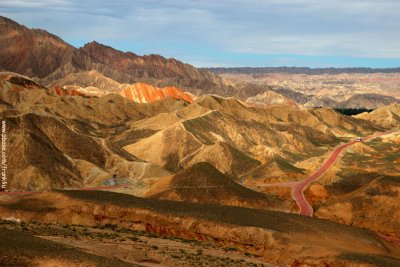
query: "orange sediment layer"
145, 93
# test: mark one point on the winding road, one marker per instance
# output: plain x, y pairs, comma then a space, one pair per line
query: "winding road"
299, 187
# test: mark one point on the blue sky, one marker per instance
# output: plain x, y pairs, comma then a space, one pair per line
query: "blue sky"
312, 33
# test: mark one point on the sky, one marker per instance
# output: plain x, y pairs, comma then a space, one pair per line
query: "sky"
222, 33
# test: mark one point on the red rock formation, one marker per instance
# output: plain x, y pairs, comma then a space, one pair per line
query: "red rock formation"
145, 93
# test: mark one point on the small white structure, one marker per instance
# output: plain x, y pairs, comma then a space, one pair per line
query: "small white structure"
358, 139
12, 219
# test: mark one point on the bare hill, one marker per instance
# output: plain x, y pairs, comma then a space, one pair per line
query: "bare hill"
388, 116
203, 183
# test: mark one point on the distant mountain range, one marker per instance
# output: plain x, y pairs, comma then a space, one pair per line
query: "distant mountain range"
96, 69
48, 59
300, 70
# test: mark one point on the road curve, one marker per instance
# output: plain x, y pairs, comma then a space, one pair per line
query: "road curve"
299, 187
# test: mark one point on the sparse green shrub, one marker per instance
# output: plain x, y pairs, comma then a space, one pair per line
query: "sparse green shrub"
230, 249
111, 226
372, 191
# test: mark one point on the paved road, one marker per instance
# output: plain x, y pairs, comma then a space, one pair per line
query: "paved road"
299, 187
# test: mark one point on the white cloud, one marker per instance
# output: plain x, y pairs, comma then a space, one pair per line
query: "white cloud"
32, 3
362, 28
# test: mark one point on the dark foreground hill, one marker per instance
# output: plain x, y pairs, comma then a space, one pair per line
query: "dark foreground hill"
276, 237
203, 183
